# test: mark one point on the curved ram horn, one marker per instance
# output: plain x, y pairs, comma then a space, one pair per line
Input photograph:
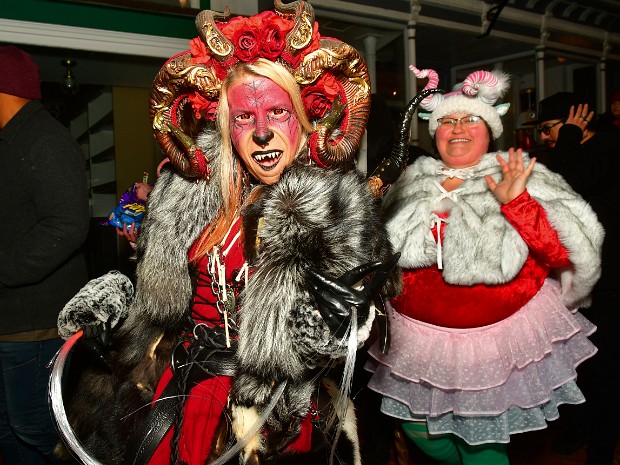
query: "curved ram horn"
432, 101
330, 148
391, 167
487, 86
301, 34
176, 79
211, 34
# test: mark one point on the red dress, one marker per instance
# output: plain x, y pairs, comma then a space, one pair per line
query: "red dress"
206, 401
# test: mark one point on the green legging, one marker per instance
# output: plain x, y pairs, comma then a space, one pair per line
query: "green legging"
448, 449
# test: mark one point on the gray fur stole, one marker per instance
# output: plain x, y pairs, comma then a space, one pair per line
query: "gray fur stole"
178, 209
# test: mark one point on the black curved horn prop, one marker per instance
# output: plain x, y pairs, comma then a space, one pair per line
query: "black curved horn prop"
391, 167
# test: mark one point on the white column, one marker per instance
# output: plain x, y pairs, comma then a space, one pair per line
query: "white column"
410, 59
540, 56
540, 72
410, 79
370, 53
601, 79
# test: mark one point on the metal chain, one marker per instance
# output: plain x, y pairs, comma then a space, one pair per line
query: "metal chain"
228, 306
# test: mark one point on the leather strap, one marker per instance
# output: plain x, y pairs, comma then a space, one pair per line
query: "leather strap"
154, 427
207, 363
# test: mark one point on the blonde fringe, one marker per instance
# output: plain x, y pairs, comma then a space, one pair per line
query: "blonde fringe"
215, 231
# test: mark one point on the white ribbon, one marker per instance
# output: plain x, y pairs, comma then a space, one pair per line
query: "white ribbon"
444, 194
461, 173
438, 221
451, 195
243, 272
220, 267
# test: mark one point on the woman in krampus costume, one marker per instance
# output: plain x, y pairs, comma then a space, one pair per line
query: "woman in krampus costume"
495, 250
257, 262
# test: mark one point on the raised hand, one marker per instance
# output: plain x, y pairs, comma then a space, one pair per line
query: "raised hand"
130, 233
514, 174
580, 116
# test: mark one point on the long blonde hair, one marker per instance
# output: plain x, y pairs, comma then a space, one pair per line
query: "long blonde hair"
231, 169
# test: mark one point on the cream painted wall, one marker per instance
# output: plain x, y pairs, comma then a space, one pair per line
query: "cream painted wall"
237, 7
134, 143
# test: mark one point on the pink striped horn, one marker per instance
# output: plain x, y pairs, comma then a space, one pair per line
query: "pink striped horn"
433, 100
484, 84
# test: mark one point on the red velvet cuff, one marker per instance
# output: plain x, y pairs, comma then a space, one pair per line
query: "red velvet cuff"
528, 217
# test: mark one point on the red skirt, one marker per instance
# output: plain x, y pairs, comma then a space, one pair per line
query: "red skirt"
201, 414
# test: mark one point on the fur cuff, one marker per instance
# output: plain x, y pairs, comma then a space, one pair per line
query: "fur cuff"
313, 339
102, 299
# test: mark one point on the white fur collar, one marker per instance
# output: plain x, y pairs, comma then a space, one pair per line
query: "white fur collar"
479, 245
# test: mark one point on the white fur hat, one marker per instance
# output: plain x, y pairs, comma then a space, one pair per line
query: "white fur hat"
475, 95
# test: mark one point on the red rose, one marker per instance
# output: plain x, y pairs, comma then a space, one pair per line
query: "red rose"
202, 106
315, 102
199, 51
246, 43
273, 43
256, 36
318, 98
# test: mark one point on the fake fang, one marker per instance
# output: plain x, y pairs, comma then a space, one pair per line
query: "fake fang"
267, 160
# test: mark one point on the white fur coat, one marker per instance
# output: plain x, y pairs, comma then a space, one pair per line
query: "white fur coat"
479, 244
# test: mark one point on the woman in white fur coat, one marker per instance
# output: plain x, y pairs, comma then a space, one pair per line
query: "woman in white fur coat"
497, 254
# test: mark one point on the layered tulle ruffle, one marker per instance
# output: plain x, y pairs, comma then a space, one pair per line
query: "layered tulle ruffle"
484, 384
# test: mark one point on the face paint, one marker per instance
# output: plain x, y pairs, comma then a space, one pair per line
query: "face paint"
263, 126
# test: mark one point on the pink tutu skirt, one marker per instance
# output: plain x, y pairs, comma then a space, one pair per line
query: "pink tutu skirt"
483, 384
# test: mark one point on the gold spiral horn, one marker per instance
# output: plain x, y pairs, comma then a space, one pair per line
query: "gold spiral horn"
338, 146
211, 34
176, 79
301, 34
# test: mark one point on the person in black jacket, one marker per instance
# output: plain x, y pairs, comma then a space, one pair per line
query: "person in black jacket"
587, 156
44, 220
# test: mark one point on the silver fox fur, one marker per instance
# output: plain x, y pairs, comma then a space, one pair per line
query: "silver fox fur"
312, 218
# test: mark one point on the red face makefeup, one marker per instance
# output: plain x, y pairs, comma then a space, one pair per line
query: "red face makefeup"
263, 126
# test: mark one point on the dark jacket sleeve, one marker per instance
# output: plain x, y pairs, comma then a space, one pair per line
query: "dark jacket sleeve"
51, 212
580, 164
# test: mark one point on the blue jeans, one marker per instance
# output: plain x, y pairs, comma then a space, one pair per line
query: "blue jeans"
27, 432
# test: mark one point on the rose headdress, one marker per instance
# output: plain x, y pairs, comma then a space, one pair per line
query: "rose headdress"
326, 70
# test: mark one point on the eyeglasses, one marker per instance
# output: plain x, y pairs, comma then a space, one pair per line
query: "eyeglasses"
546, 129
467, 121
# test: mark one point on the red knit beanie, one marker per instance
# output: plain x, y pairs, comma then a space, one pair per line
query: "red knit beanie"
19, 74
